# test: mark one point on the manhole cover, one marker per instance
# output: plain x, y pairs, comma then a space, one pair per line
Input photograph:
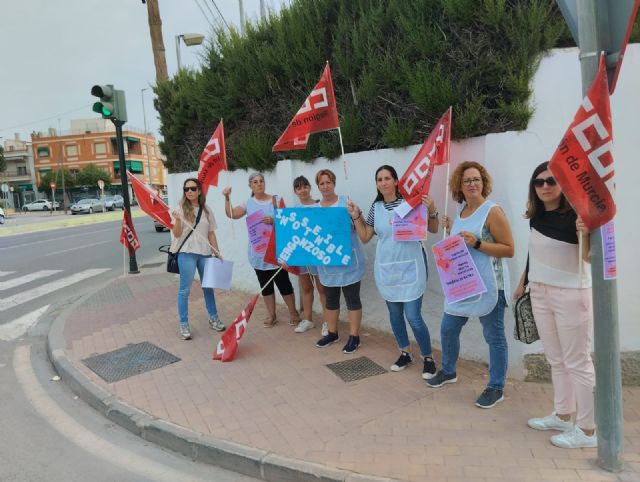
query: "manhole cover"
129, 361
356, 369
119, 293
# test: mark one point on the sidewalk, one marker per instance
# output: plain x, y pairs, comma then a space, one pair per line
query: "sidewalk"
279, 413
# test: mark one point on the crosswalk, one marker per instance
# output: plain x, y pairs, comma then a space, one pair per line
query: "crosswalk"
27, 290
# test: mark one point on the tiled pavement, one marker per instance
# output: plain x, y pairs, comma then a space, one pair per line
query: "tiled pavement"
279, 396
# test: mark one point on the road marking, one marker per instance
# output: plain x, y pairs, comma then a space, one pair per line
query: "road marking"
79, 435
20, 326
80, 247
6, 273
5, 285
48, 240
25, 296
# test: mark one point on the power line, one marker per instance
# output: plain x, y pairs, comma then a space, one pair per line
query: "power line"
220, 13
54, 116
204, 14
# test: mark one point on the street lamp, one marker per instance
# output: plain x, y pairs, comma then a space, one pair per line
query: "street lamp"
146, 134
189, 39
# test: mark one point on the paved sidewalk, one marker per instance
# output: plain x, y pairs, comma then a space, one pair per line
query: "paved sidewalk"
278, 412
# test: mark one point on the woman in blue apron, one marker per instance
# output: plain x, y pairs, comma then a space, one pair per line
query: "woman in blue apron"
486, 231
400, 268
261, 201
308, 274
340, 278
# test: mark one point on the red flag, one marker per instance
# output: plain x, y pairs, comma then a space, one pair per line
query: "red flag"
128, 236
318, 113
270, 253
434, 152
228, 345
150, 202
583, 162
213, 159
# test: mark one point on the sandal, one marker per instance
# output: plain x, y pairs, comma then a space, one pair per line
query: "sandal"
270, 322
294, 319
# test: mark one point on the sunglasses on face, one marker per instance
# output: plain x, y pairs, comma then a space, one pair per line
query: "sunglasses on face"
190, 188
539, 182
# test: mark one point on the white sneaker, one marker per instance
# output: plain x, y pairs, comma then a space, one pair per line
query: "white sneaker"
550, 422
574, 438
304, 325
325, 329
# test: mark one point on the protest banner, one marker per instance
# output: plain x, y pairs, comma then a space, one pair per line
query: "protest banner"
259, 232
213, 159
459, 276
313, 237
412, 227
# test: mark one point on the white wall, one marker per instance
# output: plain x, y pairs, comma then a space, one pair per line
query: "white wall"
510, 157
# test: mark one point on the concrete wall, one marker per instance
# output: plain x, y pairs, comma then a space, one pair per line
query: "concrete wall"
510, 158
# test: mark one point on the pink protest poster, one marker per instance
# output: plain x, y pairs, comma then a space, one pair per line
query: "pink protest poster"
413, 226
459, 276
259, 232
608, 235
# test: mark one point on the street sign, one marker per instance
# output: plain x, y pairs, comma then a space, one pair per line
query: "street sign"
620, 15
100, 184
52, 185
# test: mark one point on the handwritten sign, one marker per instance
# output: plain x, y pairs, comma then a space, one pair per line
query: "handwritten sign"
609, 250
412, 227
259, 232
313, 236
459, 276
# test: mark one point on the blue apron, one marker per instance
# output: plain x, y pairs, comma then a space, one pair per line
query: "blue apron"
257, 260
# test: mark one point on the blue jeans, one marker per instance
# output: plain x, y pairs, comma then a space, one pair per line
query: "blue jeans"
188, 262
493, 331
413, 311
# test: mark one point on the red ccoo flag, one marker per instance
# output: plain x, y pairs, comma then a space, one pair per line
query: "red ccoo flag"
318, 113
150, 202
228, 345
213, 159
270, 253
583, 162
435, 151
128, 236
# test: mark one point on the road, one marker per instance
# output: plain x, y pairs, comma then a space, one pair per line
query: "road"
48, 434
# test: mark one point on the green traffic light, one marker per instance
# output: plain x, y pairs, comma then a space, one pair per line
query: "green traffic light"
102, 109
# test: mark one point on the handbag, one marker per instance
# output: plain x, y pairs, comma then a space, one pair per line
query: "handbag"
172, 258
525, 329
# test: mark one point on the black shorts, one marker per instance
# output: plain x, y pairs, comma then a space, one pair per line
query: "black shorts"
282, 280
351, 296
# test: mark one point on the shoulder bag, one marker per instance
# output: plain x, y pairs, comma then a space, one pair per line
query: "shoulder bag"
525, 329
172, 258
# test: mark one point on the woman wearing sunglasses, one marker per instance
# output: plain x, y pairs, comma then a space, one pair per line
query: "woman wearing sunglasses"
485, 229
192, 212
265, 203
561, 303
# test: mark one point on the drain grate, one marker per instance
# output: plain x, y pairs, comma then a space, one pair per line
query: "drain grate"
129, 361
356, 369
119, 293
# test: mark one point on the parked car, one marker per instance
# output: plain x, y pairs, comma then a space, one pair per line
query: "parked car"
1, 216
159, 226
89, 205
113, 202
40, 205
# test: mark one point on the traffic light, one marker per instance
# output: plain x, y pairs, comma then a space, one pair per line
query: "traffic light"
112, 103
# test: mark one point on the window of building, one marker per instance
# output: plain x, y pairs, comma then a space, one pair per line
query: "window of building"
72, 151
22, 170
100, 147
43, 151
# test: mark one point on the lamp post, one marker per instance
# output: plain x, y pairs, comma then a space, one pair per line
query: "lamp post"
189, 39
146, 134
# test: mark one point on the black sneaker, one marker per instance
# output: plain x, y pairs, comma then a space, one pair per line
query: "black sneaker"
327, 340
489, 398
402, 362
429, 368
441, 378
352, 344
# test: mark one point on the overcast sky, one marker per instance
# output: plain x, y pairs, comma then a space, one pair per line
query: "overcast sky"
53, 51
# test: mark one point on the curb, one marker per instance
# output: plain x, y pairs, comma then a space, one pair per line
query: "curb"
202, 448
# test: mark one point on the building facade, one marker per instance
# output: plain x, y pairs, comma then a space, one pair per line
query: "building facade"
18, 181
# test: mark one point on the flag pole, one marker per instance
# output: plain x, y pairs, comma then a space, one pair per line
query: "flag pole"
446, 198
124, 260
344, 160
233, 231
580, 242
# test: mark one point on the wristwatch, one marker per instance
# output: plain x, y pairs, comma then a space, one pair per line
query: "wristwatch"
477, 244
434, 215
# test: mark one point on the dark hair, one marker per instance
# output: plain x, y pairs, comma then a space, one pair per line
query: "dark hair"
394, 175
455, 182
534, 205
187, 208
300, 181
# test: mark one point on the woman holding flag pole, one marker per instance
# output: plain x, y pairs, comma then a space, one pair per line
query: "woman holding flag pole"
400, 268
267, 273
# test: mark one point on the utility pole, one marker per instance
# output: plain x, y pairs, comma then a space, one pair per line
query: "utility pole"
146, 138
61, 170
263, 10
241, 5
593, 26
155, 29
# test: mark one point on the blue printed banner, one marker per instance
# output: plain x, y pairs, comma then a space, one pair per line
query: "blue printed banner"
313, 236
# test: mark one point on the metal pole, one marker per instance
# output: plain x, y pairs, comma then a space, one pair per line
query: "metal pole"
241, 6
61, 169
263, 10
592, 27
133, 264
146, 138
178, 51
